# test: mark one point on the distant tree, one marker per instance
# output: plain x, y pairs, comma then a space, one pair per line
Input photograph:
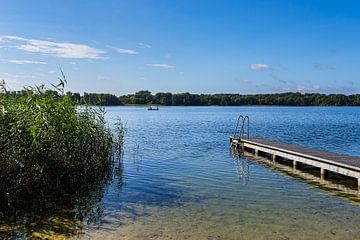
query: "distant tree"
143, 97
225, 100
163, 99
188, 99
104, 99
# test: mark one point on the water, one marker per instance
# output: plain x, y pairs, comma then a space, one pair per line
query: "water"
180, 180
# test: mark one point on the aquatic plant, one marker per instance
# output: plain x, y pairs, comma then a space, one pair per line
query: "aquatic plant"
48, 145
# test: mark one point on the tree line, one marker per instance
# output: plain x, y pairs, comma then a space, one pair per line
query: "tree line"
187, 99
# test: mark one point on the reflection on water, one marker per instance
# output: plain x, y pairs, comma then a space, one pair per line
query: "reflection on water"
57, 216
50, 217
336, 185
178, 180
242, 166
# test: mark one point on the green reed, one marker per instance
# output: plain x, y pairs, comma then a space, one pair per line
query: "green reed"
49, 145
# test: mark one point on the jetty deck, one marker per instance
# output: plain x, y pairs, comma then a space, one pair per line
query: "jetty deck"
325, 161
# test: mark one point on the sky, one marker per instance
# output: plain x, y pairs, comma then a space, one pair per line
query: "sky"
121, 47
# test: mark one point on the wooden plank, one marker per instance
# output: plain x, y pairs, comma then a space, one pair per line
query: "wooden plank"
324, 156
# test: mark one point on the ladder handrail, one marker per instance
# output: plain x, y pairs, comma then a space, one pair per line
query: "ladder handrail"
242, 129
237, 124
248, 126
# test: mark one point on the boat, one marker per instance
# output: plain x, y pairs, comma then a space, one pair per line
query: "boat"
153, 108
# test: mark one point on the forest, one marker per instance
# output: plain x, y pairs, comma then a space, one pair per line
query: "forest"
145, 97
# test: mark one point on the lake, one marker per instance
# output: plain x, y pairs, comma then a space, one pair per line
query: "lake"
179, 179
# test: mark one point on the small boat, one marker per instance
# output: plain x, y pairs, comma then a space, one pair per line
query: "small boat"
153, 108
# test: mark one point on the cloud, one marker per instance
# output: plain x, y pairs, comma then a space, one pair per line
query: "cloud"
282, 67
285, 89
58, 49
18, 80
160, 65
259, 66
101, 77
126, 51
144, 45
7, 75
324, 66
302, 88
26, 62
277, 78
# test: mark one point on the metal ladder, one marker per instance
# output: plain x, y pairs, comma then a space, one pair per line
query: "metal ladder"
241, 132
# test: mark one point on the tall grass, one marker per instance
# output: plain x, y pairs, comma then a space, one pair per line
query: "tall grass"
48, 145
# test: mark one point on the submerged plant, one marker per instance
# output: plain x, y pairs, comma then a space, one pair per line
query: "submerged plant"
119, 138
49, 145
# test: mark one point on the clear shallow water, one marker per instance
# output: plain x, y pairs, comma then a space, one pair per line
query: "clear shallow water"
180, 180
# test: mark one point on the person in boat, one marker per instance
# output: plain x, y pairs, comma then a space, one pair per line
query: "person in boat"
153, 108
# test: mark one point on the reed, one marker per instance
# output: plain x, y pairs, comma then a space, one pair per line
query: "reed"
49, 145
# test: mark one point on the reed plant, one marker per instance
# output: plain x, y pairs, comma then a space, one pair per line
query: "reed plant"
49, 145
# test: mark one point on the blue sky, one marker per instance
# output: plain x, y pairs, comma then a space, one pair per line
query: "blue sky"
178, 46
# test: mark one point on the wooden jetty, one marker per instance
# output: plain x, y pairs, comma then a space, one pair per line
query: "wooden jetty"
325, 161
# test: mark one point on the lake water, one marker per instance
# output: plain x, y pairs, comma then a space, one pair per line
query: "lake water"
179, 180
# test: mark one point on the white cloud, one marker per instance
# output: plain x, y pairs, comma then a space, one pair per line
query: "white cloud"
144, 45
324, 66
7, 75
19, 80
126, 51
101, 77
285, 89
26, 62
302, 88
160, 65
11, 38
58, 49
278, 79
259, 66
